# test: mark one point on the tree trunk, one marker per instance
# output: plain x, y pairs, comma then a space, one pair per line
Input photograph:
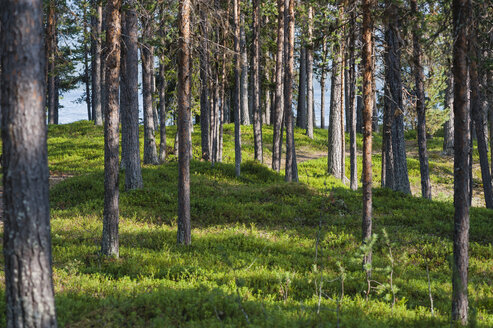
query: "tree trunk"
96, 23
184, 116
51, 46
255, 68
461, 165
150, 149
448, 128
291, 165
477, 112
26, 240
279, 100
237, 87
245, 115
393, 86
129, 94
109, 245
162, 109
351, 102
103, 64
367, 57
87, 79
301, 111
420, 105
341, 100
204, 86
309, 75
322, 89
334, 163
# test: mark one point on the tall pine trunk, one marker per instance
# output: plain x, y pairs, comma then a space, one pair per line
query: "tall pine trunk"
51, 48
237, 87
352, 101
96, 81
461, 165
86, 50
279, 99
448, 128
309, 76
255, 78
29, 291
184, 117
420, 105
245, 115
301, 110
129, 95
110, 243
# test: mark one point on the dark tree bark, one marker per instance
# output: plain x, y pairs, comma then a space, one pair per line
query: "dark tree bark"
367, 119
96, 30
237, 87
279, 99
255, 77
204, 87
184, 116
477, 112
351, 103
291, 165
341, 100
129, 95
162, 109
420, 105
51, 49
334, 163
309, 76
245, 115
322, 85
461, 165
150, 149
301, 110
393, 87
448, 128
110, 243
27, 242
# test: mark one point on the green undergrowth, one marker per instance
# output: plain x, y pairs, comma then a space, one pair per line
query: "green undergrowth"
264, 253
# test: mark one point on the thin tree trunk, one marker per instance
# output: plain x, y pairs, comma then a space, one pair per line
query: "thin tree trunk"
51, 46
352, 103
461, 165
87, 79
129, 94
162, 109
448, 129
291, 165
420, 106
204, 86
150, 149
279, 99
237, 87
341, 100
322, 87
26, 239
309, 75
255, 77
110, 244
96, 25
184, 116
301, 110
367, 119
245, 115
477, 112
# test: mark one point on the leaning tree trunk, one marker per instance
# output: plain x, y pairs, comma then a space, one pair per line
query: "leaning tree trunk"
184, 116
420, 106
309, 76
129, 94
150, 149
477, 114
110, 244
256, 109
279, 99
96, 30
245, 115
461, 165
27, 243
237, 87
291, 165
367, 119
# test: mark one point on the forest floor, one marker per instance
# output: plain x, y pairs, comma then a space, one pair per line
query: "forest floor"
264, 253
